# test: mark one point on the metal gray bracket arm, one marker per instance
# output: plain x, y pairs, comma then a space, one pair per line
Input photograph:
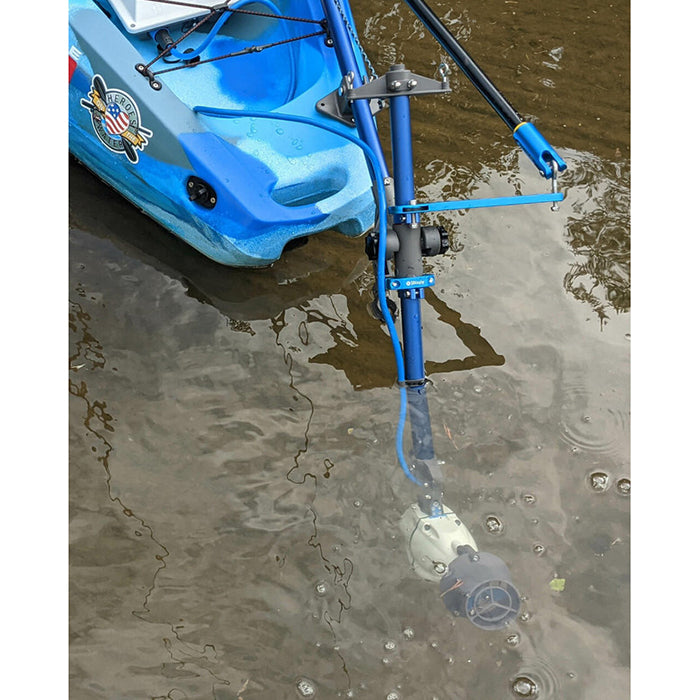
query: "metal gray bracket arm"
337, 106
397, 81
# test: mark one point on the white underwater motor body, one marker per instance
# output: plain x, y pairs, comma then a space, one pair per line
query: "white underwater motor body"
432, 541
473, 584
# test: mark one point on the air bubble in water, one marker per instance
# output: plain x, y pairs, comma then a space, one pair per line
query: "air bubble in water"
321, 588
525, 687
306, 688
493, 525
538, 549
624, 486
599, 481
357, 503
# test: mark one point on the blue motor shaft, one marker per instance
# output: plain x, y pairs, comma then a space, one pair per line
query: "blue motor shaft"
408, 263
409, 257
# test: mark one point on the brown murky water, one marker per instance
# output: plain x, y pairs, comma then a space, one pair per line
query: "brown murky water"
234, 493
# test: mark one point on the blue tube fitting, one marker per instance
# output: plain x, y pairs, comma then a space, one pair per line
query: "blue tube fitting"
537, 148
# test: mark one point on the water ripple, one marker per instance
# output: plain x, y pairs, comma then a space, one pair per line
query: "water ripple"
590, 423
535, 679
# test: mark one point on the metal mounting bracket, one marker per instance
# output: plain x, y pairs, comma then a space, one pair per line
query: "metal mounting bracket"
337, 106
403, 283
397, 81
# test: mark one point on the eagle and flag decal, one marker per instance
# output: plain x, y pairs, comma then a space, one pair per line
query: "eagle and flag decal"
116, 119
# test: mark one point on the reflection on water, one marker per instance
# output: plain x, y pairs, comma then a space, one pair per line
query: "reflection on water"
599, 236
234, 490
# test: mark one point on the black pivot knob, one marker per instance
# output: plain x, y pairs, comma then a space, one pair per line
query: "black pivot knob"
434, 240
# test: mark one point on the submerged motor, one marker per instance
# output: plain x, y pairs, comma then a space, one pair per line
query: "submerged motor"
475, 585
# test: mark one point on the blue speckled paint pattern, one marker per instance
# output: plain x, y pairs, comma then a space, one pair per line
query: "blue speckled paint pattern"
274, 180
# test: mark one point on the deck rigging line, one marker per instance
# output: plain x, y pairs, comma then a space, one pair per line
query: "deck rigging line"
219, 11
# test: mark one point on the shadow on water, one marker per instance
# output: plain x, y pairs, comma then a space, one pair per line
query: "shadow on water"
244, 295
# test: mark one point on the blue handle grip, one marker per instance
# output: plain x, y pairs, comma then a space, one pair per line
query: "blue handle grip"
537, 148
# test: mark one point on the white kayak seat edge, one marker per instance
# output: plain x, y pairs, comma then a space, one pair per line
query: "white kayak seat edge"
145, 15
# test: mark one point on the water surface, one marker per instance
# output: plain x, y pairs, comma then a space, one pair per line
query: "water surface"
234, 493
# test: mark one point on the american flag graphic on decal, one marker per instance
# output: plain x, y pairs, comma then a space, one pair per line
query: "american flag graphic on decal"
116, 120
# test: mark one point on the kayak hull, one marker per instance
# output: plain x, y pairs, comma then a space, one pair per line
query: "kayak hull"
230, 155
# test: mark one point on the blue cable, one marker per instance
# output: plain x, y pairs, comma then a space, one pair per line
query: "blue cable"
381, 258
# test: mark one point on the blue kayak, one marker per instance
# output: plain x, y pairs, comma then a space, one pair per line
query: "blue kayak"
205, 116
